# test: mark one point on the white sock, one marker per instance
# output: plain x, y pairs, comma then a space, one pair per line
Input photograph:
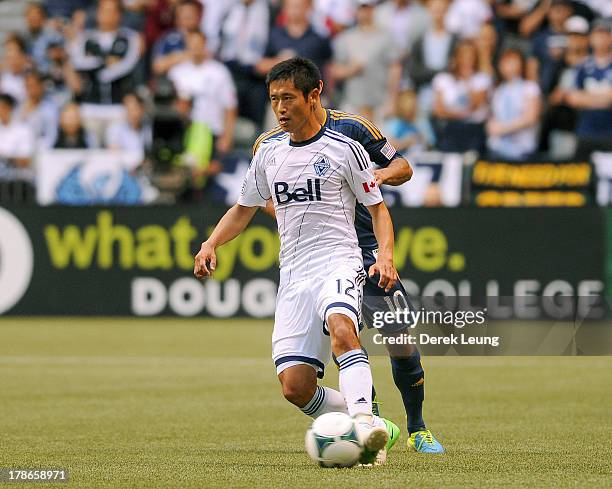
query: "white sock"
325, 400
356, 381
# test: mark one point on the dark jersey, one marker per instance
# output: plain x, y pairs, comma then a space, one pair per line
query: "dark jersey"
595, 123
378, 148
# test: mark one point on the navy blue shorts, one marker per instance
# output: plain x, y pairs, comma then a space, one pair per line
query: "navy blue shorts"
376, 300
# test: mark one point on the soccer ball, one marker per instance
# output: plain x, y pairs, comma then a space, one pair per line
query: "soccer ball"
332, 441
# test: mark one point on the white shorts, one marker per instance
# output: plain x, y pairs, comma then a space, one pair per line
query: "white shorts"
300, 333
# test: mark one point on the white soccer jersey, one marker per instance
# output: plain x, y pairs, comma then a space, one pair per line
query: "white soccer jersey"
313, 185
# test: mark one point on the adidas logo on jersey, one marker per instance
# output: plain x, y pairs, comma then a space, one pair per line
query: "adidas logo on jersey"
311, 193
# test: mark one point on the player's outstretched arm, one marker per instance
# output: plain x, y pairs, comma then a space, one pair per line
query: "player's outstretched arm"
399, 171
231, 225
394, 168
383, 230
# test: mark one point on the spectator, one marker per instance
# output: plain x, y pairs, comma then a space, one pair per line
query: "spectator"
541, 15
170, 50
169, 128
65, 9
38, 35
106, 58
512, 128
133, 134
209, 83
38, 112
432, 51
465, 17
244, 35
210, 23
159, 20
198, 161
367, 61
602, 8
592, 96
406, 20
296, 38
460, 105
61, 78
71, 133
333, 16
75, 27
134, 13
559, 116
186, 150
576, 52
402, 130
508, 15
16, 138
488, 48
549, 42
14, 67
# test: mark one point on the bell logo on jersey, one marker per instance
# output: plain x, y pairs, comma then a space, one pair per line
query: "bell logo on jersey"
368, 185
311, 193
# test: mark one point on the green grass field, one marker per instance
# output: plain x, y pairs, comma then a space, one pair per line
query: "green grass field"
195, 403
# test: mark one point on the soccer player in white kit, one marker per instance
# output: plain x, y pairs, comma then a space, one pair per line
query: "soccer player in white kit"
313, 176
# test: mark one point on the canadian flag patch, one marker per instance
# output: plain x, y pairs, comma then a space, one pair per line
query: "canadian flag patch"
368, 185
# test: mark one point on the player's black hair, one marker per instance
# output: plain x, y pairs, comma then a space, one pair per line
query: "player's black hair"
7, 99
303, 72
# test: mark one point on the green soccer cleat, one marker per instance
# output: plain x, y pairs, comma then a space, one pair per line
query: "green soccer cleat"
424, 442
374, 437
394, 433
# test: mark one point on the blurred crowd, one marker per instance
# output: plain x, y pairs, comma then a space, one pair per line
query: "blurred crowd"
182, 81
